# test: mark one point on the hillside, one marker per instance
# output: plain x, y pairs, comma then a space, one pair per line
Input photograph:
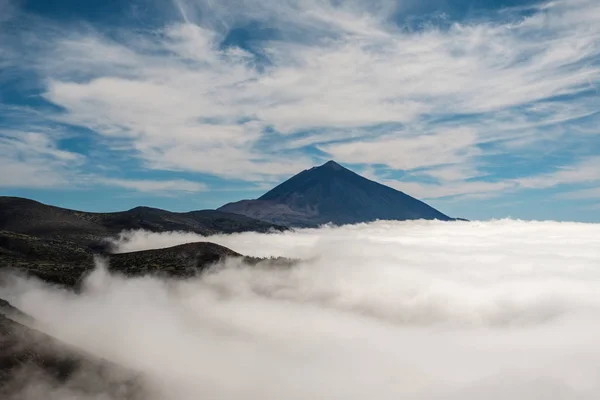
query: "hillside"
33, 218
66, 263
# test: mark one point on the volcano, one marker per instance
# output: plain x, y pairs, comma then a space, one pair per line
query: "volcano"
331, 193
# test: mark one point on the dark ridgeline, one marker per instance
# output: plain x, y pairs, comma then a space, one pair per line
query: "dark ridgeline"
66, 263
58, 244
33, 218
332, 193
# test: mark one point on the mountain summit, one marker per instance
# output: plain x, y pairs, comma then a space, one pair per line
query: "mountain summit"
332, 193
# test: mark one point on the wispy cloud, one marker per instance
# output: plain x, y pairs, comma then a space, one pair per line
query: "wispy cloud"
343, 80
426, 150
155, 186
591, 193
32, 159
451, 183
586, 171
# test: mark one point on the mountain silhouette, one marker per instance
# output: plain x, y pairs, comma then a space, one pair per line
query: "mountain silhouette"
25, 216
331, 193
58, 245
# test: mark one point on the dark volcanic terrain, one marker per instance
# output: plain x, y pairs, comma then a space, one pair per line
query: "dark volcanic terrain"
30, 217
332, 193
66, 263
58, 245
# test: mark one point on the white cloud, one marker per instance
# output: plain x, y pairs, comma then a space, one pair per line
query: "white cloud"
420, 309
177, 98
590, 193
453, 172
408, 153
451, 182
453, 188
32, 159
35, 160
586, 171
155, 186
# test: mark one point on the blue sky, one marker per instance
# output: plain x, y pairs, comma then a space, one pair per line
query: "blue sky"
483, 109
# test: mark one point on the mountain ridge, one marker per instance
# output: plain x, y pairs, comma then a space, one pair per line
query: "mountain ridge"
31, 217
331, 193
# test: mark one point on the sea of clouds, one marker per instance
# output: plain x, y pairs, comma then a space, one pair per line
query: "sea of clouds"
418, 310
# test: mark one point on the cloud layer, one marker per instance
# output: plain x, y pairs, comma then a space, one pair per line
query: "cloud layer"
421, 310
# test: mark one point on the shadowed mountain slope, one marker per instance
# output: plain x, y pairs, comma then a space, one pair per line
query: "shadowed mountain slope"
33, 218
332, 193
67, 263
58, 245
